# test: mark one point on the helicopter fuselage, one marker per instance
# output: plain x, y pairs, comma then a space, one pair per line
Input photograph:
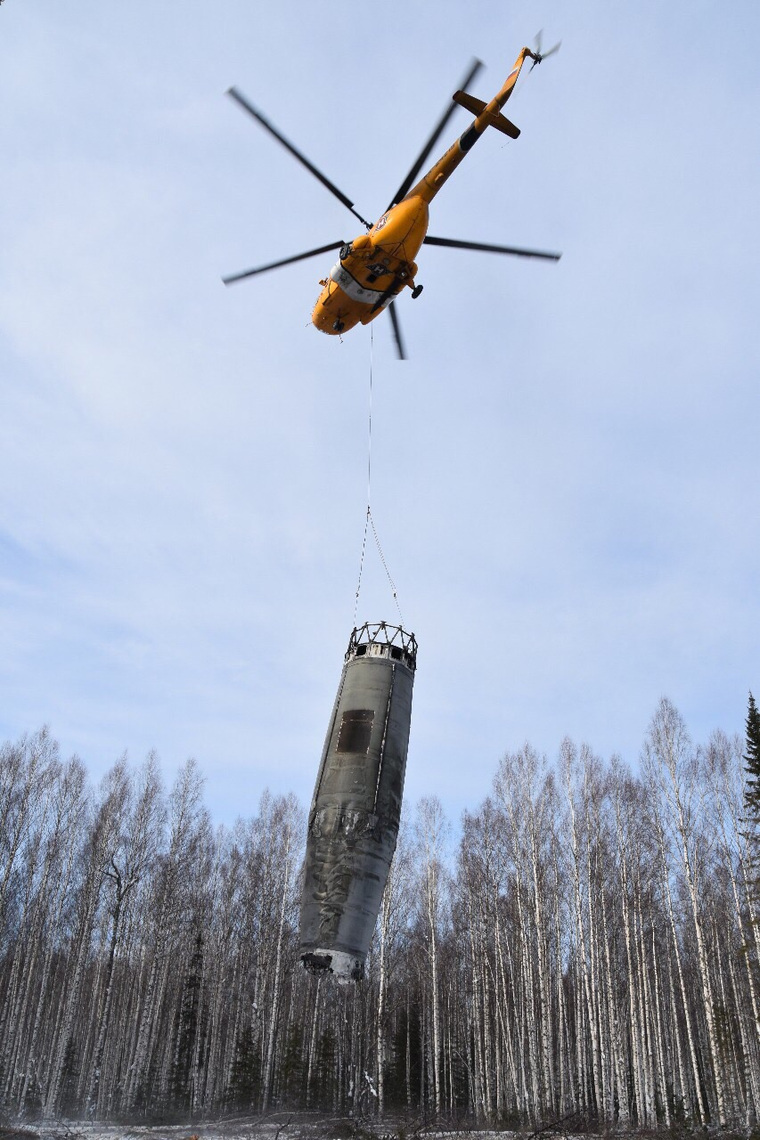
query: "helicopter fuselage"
373, 269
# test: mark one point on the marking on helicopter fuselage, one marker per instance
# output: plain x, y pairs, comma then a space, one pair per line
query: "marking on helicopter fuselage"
352, 288
469, 138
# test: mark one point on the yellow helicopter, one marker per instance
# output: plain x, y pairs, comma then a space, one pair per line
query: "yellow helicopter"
378, 265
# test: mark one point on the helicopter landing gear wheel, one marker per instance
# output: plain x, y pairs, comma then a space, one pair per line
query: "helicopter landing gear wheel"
338, 326
416, 291
345, 251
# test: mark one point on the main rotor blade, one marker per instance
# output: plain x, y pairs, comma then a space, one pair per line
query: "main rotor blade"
452, 243
396, 330
475, 67
276, 264
241, 99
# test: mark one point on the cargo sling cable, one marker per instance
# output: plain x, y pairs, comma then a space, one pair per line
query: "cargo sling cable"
368, 519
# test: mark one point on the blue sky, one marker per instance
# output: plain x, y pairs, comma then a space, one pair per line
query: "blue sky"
564, 473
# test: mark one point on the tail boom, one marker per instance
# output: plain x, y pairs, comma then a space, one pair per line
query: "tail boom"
486, 115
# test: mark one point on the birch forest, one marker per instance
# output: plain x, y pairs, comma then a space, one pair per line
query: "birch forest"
584, 942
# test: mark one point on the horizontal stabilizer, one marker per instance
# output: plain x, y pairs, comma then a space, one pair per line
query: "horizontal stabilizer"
477, 107
469, 102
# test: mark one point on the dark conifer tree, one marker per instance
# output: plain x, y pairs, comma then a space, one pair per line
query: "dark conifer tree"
70, 1104
244, 1086
752, 787
324, 1089
291, 1081
187, 1027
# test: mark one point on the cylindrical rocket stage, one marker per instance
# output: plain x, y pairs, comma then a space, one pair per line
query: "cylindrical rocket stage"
354, 816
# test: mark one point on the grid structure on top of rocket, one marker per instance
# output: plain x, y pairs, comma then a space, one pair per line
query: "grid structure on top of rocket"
356, 808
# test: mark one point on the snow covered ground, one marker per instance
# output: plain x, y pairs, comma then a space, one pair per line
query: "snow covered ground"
241, 1128
238, 1129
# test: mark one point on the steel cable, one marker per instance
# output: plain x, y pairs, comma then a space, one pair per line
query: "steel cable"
368, 519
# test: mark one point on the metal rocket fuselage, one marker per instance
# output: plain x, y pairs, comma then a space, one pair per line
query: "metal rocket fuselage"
355, 811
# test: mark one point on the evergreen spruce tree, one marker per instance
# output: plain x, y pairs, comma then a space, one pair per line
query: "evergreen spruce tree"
188, 1025
291, 1075
752, 788
324, 1094
70, 1105
244, 1086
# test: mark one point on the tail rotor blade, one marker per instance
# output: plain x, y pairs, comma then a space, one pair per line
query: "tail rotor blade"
517, 251
396, 331
276, 264
552, 50
244, 103
542, 55
475, 67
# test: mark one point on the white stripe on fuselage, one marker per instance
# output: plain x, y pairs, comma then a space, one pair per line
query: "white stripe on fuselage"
354, 290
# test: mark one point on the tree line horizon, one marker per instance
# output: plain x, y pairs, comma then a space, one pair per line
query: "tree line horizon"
589, 944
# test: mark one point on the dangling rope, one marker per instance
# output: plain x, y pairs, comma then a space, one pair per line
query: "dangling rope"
368, 520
